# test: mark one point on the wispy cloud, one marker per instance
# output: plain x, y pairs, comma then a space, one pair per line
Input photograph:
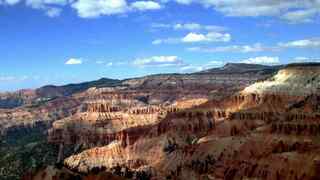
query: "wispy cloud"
258, 47
305, 59
14, 78
73, 61
262, 60
189, 27
196, 68
313, 43
158, 61
304, 43
196, 38
289, 10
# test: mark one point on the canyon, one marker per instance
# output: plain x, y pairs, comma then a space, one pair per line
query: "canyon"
240, 121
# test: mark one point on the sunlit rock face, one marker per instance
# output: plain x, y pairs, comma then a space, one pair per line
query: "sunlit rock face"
268, 130
294, 80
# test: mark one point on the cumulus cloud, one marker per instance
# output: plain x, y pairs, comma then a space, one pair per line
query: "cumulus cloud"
145, 5
96, 8
158, 61
262, 60
73, 61
87, 8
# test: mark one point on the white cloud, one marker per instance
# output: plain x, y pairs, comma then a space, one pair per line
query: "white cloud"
195, 68
10, 2
300, 16
258, 47
305, 59
313, 43
109, 64
7, 78
209, 37
304, 43
166, 41
14, 78
96, 8
189, 27
290, 10
73, 61
262, 60
87, 8
44, 4
158, 61
52, 8
255, 8
145, 5
196, 38
191, 68
53, 12
301, 58
100, 62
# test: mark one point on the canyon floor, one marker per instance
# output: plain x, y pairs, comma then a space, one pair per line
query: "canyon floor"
240, 121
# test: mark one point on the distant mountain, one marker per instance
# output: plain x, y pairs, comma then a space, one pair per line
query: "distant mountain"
22, 97
241, 68
51, 91
19, 98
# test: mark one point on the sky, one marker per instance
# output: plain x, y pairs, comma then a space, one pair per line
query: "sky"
68, 41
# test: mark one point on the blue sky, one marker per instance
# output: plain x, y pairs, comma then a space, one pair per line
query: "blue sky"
63, 41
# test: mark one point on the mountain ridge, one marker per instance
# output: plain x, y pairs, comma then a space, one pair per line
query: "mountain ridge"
27, 96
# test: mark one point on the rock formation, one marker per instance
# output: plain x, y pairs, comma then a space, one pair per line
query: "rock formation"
266, 131
235, 122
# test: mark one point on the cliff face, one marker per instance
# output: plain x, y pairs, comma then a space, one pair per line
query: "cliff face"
266, 131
